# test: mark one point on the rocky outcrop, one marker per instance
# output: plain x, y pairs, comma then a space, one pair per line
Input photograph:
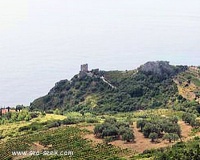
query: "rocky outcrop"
157, 67
161, 69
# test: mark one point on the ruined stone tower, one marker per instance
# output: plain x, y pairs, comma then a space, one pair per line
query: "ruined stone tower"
84, 68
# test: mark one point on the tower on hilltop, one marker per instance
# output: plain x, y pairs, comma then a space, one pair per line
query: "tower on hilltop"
84, 68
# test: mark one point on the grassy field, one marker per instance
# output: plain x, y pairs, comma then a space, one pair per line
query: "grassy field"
11, 129
48, 117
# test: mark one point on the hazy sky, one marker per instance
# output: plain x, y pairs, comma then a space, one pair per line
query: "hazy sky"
44, 41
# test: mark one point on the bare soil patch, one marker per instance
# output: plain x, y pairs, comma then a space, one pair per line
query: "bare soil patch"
91, 136
185, 130
141, 143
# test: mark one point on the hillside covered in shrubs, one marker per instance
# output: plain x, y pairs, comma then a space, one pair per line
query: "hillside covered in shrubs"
150, 86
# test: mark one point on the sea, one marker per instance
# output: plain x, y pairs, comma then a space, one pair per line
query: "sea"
43, 42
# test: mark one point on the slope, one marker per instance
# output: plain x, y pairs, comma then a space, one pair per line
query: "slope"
150, 86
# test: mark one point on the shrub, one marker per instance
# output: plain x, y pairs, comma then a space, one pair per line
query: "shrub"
153, 136
72, 120
91, 120
112, 128
24, 128
158, 125
34, 115
191, 119
140, 124
51, 124
32, 127
128, 136
170, 137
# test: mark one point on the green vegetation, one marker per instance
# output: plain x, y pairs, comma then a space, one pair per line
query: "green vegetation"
134, 90
61, 139
128, 136
191, 77
153, 136
180, 151
23, 115
112, 130
152, 97
190, 119
156, 127
37, 132
52, 123
17, 128
188, 106
170, 137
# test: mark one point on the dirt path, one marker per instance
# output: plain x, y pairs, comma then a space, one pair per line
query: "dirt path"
185, 130
103, 78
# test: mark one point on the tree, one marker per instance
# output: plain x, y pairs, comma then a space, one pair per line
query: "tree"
170, 137
19, 108
153, 136
188, 118
147, 129
193, 122
98, 130
140, 124
110, 131
8, 108
128, 136
173, 128
175, 137
122, 130
156, 128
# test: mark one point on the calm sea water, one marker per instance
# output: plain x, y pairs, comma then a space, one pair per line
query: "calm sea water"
42, 42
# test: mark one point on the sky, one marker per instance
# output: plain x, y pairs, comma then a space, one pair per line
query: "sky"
44, 41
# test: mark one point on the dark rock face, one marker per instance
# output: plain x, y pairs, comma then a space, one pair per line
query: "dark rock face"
158, 68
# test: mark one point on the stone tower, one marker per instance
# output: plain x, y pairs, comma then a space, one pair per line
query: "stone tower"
84, 68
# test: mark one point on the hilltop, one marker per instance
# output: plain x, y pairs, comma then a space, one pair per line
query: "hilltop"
152, 85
